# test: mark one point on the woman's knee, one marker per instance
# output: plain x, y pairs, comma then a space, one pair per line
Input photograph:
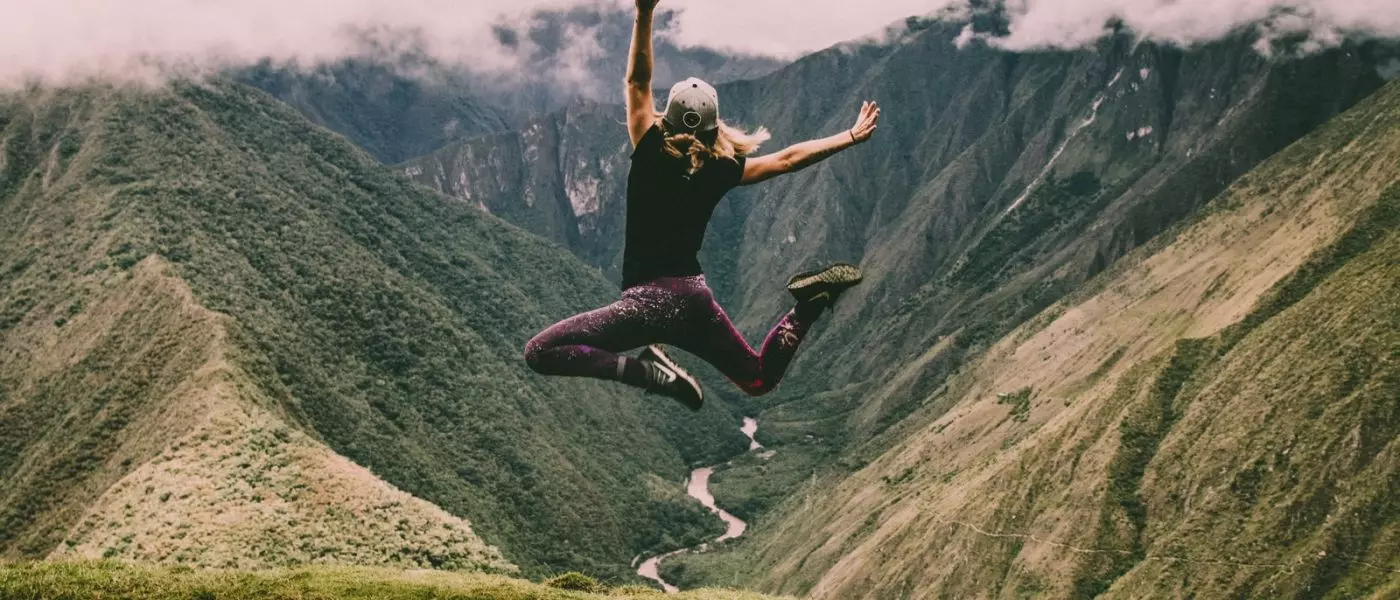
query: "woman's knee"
535, 351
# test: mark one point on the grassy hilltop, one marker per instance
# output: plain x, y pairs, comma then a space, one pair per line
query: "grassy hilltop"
113, 580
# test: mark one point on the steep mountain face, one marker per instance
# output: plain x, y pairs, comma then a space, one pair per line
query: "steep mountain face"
1214, 416
563, 177
211, 307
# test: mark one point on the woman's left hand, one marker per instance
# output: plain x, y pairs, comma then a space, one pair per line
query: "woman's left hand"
866, 123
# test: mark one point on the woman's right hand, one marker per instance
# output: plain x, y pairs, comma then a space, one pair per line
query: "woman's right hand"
866, 123
646, 5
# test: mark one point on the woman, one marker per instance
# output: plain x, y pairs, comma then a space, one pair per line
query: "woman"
684, 160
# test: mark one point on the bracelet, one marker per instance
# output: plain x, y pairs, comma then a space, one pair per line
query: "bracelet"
853, 136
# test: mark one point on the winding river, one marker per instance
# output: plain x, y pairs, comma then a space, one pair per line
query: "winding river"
698, 486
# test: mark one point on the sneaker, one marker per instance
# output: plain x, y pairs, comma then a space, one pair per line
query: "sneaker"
825, 285
666, 378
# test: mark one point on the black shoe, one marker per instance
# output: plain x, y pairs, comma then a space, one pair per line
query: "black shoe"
666, 378
823, 286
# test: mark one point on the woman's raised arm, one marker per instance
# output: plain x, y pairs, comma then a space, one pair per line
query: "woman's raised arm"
800, 156
641, 108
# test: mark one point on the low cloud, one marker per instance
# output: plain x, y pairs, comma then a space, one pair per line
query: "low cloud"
1305, 25
67, 40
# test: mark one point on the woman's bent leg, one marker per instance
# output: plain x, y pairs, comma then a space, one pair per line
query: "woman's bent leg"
715, 340
587, 345
781, 346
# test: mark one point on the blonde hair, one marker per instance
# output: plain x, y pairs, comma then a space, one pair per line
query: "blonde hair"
730, 142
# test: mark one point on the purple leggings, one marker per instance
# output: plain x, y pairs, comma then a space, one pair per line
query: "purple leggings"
676, 311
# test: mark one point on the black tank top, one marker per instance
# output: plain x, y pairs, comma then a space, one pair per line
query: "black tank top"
668, 210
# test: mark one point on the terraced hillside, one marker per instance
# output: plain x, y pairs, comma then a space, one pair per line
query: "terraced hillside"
1215, 416
230, 338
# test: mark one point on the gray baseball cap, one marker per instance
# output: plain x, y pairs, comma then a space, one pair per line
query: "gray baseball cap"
693, 106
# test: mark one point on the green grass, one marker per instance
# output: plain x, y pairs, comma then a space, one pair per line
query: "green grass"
60, 581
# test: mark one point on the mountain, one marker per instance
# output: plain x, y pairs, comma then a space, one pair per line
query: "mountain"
1213, 416
1007, 182
405, 106
232, 339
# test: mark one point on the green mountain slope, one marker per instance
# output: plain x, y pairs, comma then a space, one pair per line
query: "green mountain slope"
1216, 416
339, 308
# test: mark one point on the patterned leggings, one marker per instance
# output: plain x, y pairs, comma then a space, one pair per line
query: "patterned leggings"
676, 311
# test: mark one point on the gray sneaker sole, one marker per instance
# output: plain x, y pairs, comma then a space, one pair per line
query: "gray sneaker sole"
660, 356
838, 274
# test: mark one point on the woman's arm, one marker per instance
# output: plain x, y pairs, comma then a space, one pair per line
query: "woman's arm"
641, 108
803, 155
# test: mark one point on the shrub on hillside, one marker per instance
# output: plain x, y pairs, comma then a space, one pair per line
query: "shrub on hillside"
577, 582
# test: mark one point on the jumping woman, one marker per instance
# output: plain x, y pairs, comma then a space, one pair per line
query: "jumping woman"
683, 162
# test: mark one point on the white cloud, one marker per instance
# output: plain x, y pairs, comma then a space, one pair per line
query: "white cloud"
787, 28
1073, 23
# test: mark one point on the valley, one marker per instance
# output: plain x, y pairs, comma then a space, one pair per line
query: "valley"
698, 487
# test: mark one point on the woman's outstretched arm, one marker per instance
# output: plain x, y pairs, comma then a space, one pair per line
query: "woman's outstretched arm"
800, 156
641, 109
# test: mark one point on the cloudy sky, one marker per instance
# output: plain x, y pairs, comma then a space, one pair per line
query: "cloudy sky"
64, 39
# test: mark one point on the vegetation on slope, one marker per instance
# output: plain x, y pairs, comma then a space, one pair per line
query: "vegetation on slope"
24, 581
363, 310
